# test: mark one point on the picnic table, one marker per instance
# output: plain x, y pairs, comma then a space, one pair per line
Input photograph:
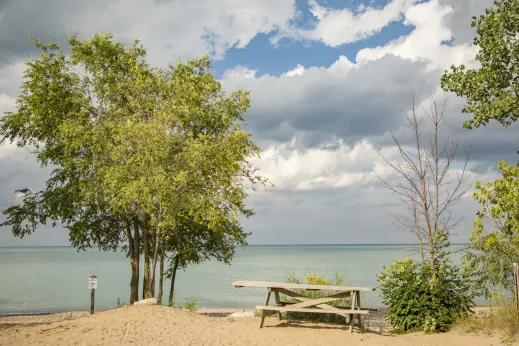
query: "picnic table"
305, 304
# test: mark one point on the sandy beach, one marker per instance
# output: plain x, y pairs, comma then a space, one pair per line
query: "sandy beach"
159, 325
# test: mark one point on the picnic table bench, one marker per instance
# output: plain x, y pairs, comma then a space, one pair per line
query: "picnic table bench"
305, 304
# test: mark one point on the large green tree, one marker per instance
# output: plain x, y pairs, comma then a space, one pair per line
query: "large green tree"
492, 89
492, 94
496, 230
135, 148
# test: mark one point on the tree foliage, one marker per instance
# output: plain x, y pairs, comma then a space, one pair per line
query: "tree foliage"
492, 90
495, 238
136, 151
492, 93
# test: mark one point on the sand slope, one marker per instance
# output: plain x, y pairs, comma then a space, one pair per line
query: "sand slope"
158, 325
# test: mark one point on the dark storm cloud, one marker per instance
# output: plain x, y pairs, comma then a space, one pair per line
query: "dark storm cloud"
365, 102
45, 20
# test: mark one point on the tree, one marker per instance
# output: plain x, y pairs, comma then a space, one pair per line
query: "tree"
492, 90
492, 93
495, 238
193, 244
431, 294
428, 184
136, 149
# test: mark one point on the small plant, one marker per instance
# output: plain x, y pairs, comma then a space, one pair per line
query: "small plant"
314, 279
69, 317
191, 305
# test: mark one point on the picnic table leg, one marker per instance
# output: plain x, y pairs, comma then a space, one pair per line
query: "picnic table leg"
353, 304
263, 312
278, 301
358, 307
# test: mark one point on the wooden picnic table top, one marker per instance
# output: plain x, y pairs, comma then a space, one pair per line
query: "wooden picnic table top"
268, 284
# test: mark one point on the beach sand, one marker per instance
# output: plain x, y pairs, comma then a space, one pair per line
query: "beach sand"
159, 325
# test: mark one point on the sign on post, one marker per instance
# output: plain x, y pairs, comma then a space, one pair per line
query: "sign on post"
92, 286
92, 282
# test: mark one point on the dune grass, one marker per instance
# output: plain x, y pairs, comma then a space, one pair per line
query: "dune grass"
501, 320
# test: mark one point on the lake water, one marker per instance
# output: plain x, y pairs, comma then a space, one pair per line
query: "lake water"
51, 279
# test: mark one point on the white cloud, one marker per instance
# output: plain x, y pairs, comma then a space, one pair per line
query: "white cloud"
169, 29
297, 71
459, 21
239, 72
291, 168
341, 66
338, 27
426, 41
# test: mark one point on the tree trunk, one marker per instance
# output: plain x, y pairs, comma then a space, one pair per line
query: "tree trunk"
161, 278
417, 229
154, 264
134, 258
146, 247
173, 275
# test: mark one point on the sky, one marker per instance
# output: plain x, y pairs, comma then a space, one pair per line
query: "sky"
328, 81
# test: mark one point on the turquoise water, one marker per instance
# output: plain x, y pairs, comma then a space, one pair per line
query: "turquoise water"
50, 279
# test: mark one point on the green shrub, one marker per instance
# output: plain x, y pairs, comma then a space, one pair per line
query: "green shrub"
312, 278
416, 301
191, 305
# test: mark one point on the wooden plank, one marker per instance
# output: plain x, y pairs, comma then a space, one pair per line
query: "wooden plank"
353, 305
305, 299
268, 284
289, 293
278, 302
359, 319
338, 307
263, 313
319, 311
318, 301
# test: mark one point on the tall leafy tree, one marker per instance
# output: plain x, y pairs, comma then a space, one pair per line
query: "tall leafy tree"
492, 94
496, 230
492, 90
135, 149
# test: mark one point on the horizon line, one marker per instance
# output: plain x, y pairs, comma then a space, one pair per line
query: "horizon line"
341, 244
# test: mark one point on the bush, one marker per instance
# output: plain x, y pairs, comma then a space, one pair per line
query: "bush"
417, 302
312, 278
503, 319
191, 305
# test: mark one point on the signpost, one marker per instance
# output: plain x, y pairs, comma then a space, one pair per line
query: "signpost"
92, 285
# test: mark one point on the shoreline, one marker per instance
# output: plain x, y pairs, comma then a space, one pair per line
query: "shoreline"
160, 325
374, 321
203, 310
